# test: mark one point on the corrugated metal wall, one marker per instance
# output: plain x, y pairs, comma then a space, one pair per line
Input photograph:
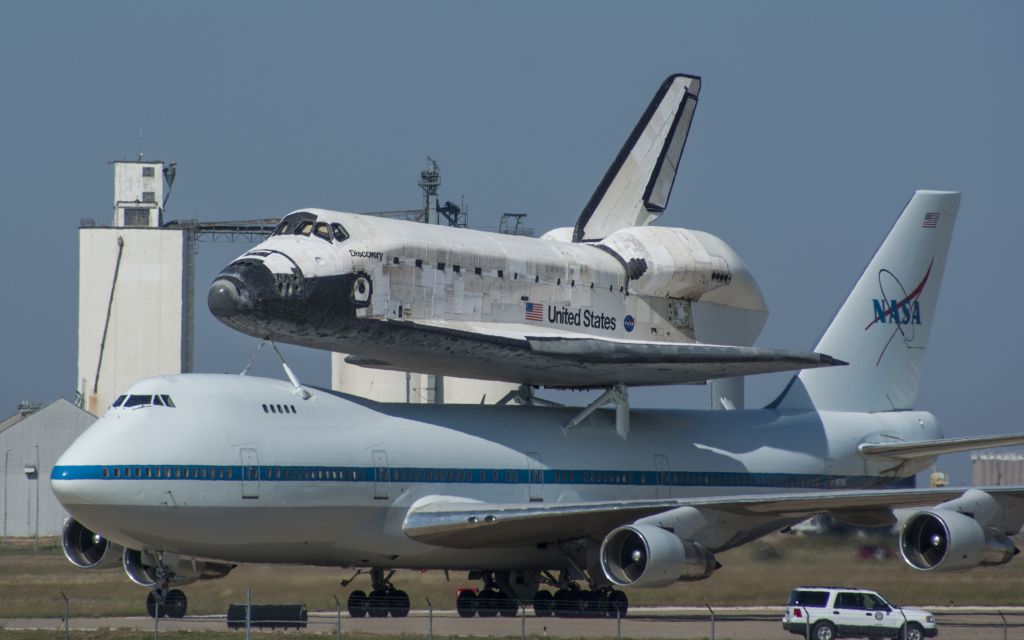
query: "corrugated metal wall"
990, 469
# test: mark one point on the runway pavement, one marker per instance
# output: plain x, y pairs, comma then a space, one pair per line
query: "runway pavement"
737, 623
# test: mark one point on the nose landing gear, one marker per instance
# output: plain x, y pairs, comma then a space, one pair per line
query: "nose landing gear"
163, 602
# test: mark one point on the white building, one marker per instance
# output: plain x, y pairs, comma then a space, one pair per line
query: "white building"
135, 283
30, 443
416, 388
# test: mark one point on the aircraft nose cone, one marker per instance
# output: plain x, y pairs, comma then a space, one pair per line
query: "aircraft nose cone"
226, 298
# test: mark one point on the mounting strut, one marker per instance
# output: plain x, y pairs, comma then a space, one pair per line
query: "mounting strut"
617, 395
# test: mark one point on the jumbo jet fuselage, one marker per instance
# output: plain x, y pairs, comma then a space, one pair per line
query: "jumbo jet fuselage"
243, 470
405, 295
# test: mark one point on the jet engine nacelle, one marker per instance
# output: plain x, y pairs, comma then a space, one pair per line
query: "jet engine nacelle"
643, 555
143, 569
946, 540
87, 549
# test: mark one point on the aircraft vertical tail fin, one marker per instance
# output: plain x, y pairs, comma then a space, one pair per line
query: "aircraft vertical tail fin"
637, 185
882, 329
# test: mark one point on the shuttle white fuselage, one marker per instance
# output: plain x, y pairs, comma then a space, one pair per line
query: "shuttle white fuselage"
402, 295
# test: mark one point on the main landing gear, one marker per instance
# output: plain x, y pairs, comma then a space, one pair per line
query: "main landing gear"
384, 599
574, 602
568, 601
489, 602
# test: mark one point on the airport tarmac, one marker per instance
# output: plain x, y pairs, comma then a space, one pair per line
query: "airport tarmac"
737, 623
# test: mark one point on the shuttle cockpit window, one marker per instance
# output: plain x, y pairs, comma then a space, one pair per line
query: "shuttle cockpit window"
304, 223
298, 223
323, 230
340, 235
281, 228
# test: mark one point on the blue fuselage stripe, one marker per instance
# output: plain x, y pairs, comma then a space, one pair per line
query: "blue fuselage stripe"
429, 475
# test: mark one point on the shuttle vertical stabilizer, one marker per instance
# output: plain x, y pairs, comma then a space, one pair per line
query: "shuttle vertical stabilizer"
636, 187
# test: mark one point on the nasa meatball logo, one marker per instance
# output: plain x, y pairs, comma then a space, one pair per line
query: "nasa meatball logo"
629, 323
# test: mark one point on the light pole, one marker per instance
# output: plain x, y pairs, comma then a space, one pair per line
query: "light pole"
35, 543
7, 455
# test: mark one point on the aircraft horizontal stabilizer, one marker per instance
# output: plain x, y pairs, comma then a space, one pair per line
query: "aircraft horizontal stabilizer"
932, 448
471, 526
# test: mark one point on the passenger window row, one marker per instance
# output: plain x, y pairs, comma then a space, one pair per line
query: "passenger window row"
309, 473
435, 475
176, 472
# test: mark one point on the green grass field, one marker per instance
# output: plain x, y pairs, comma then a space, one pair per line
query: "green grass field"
759, 574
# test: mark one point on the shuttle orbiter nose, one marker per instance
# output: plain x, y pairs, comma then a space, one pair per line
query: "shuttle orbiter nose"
227, 298
239, 289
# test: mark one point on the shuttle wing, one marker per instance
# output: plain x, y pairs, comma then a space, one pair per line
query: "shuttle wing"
636, 187
565, 359
470, 526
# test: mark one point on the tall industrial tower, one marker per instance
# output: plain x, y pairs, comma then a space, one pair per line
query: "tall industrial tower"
134, 288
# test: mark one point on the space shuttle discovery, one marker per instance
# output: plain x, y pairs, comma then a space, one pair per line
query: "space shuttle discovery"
612, 301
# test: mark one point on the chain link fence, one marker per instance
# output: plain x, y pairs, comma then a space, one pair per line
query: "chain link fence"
515, 621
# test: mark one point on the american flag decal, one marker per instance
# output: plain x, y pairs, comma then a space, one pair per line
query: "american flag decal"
535, 312
931, 220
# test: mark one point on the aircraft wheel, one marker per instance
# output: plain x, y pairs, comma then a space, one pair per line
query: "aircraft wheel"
507, 607
399, 604
176, 604
567, 603
377, 603
487, 603
151, 605
595, 604
543, 604
618, 604
357, 604
466, 604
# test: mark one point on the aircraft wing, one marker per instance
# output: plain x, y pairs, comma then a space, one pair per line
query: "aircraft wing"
464, 525
555, 358
932, 448
636, 187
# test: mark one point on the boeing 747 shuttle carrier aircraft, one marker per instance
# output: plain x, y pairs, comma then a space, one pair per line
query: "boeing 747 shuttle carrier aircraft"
610, 302
187, 476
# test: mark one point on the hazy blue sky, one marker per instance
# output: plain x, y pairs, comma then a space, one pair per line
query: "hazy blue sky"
816, 122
